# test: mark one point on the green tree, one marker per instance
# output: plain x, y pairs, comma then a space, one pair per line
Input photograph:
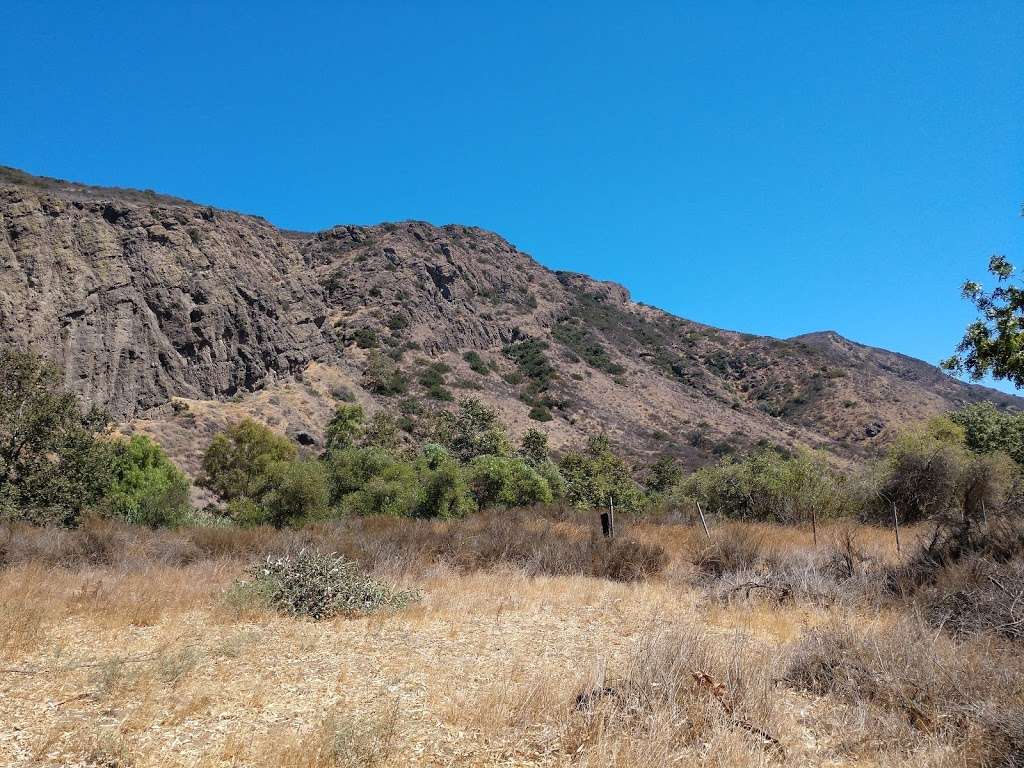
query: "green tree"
395, 490
923, 472
663, 474
446, 493
473, 430
534, 451
345, 427
765, 485
237, 462
54, 463
596, 476
147, 488
994, 343
987, 430
295, 491
534, 447
350, 469
506, 481
382, 431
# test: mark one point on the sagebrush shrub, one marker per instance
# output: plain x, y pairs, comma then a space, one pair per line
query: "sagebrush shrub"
319, 585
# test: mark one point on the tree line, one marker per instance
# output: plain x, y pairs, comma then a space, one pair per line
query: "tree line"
60, 461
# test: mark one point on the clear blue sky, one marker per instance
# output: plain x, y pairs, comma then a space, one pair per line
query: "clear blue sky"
771, 167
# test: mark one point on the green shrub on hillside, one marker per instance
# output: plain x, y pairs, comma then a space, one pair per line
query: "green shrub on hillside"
531, 361
366, 338
476, 363
540, 412
577, 337
146, 487
382, 377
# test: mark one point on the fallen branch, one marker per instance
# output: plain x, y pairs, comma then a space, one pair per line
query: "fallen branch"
718, 693
588, 699
83, 665
783, 592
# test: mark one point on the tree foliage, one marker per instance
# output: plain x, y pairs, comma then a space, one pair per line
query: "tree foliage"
295, 490
345, 427
238, 460
54, 462
372, 480
994, 343
930, 472
473, 430
987, 430
534, 447
506, 481
146, 487
596, 476
765, 485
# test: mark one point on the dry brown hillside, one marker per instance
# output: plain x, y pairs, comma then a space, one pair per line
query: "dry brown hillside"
144, 299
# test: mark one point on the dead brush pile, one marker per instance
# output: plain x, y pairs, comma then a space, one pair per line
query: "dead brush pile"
743, 562
979, 596
906, 686
1000, 540
541, 546
968, 578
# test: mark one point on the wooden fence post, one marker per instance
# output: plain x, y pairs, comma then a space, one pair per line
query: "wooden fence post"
702, 520
896, 526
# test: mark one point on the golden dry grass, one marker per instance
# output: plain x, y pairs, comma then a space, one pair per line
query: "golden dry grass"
149, 665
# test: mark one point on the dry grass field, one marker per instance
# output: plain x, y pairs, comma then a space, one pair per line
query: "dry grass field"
125, 647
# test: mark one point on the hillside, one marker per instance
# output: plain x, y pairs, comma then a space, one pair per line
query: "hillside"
144, 299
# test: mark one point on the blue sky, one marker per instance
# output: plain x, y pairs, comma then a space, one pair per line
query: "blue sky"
771, 167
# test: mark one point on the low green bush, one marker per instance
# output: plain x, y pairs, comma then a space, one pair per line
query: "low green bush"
476, 363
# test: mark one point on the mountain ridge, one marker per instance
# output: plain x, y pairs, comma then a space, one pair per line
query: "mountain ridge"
146, 300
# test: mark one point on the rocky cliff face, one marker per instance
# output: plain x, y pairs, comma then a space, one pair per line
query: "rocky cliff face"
142, 298
141, 302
